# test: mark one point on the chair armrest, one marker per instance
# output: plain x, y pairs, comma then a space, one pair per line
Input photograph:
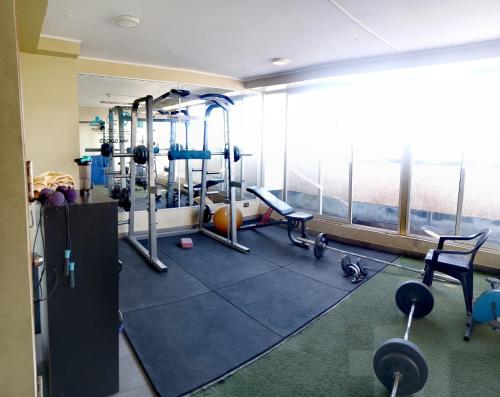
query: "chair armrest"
437, 252
442, 239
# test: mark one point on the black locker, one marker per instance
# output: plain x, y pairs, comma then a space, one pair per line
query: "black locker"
80, 328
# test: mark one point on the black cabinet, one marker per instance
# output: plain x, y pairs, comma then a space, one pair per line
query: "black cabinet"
80, 323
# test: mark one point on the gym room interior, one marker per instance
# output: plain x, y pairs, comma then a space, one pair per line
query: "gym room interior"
250, 198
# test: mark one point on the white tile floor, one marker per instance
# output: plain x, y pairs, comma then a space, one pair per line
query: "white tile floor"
133, 380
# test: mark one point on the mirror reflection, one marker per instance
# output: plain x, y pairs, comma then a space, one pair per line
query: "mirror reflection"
183, 122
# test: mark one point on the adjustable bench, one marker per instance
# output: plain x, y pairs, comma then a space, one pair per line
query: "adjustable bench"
210, 183
293, 219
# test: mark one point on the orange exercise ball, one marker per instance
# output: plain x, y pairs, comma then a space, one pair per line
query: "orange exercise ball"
222, 221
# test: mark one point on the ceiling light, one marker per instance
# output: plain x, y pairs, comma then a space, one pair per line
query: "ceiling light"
127, 21
280, 61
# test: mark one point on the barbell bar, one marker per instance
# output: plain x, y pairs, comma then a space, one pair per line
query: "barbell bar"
398, 363
321, 244
140, 153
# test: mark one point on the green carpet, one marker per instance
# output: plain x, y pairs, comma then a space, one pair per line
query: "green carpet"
333, 356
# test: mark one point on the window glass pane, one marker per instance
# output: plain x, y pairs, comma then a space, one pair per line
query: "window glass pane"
273, 146
434, 190
369, 112
335, 177
251, 139
376, 173
481, 207
447, 123
305, 128
246, 122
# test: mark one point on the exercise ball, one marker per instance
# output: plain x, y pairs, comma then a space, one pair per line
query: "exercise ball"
221, 219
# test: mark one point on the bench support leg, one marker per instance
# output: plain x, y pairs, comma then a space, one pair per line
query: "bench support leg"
291, 225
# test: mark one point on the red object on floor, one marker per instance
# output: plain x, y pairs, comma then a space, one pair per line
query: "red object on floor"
186, 243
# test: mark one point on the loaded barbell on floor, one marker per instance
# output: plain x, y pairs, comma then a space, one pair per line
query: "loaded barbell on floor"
398, 363
320, 245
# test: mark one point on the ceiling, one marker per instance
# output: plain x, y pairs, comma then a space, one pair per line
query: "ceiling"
106, 92
239, 38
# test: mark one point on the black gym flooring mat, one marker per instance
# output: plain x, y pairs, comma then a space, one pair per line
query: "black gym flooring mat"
216, 309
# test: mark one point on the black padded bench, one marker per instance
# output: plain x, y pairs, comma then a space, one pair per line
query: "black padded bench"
210, 183
294, 219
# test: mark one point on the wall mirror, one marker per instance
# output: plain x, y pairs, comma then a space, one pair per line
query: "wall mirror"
180, 121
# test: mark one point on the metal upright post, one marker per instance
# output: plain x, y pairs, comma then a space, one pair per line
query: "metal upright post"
110, 168
121, 137
189, 171
204, 168
133, 143
150, 253
171, 166
153, 253
232, 190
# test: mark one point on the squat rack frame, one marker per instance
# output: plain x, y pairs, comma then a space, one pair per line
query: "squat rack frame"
223, 102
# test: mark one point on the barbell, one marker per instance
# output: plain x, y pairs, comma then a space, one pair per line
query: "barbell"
398, 363
123, 197
320, 245
139, 153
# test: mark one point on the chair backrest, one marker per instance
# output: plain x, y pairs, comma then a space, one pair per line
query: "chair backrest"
482, 236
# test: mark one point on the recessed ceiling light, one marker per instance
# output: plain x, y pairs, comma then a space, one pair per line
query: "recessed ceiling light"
280, 61
127, 21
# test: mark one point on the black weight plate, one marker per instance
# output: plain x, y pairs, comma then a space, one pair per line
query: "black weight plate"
320, 245
106, 149
140, 154
207, 214
124, 200
415, 291
237, 155
399, 355
362, 267
115, 193
345, 263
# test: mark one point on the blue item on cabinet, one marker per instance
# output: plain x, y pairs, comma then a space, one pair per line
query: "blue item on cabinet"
99, 164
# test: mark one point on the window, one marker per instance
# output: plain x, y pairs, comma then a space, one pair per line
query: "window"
371, 115
434, 192
344, 145
375, 196
304, 132
273, 145
481, 203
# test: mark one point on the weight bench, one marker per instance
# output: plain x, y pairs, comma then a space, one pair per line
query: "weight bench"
293, 219
210, 183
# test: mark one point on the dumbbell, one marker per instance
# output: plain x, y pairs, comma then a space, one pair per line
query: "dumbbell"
398, 363
359, 270
124, 199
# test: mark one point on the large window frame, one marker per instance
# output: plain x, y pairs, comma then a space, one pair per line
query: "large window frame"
405, 188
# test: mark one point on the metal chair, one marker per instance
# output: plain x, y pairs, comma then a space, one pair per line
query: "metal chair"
457, 264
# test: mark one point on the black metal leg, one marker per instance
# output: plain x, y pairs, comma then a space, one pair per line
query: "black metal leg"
291, 235
303, 230
468, 293
468, 327
428, 275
